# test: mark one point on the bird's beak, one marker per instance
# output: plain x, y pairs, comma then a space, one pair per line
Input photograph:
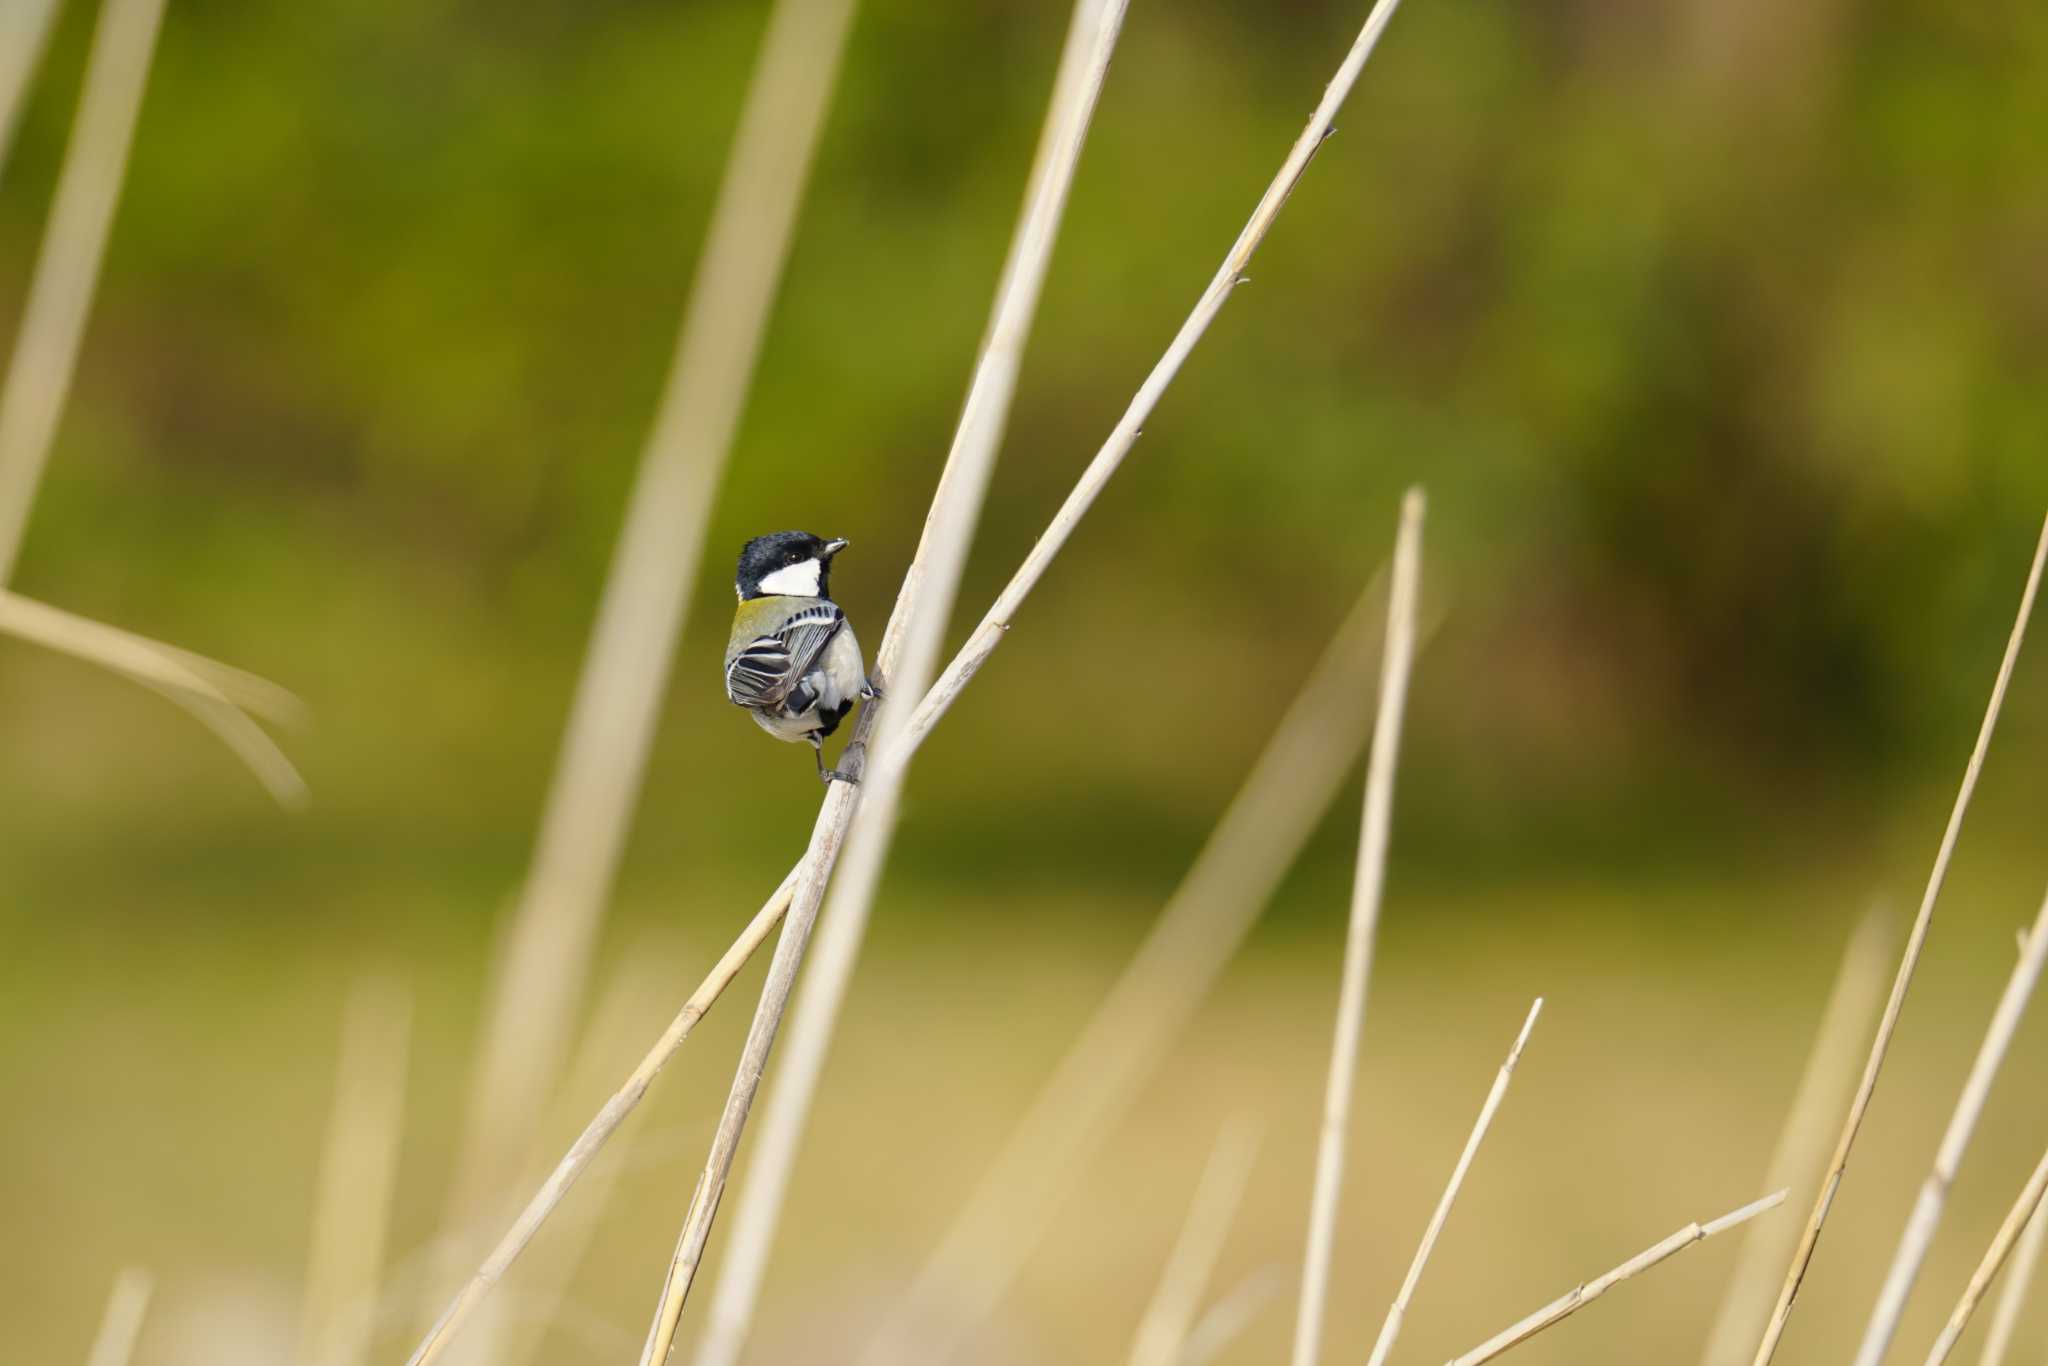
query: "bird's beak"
834, 547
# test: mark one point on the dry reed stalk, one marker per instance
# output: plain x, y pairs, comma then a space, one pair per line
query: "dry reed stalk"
1391, 1328
1803, 1143
1367, 892
1222, 1322
1927, 1210
2020, 1217
1582, 1295
1163, 1330
1916, 938
909, 658
799, 906
24, 33
60, 292
1272, 815
358, 1171
2012, 1300
121, 1325
214, 693
542, 969
837, 812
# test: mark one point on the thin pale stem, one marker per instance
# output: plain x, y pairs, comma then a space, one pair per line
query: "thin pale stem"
1569, 1303
1911, 1254
1164, 1328
2021, 1218
60, 292
2012, 1300
121, 1325
358, 1171
1390, 1330
1802, 1146
1367, 894
908, 658
1916, 939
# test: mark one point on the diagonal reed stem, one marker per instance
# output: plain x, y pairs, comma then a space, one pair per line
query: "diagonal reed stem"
1927, 1210
1398, 1311
1367, 894
1916, 939
1577, 1298
2022, 1216
909, 662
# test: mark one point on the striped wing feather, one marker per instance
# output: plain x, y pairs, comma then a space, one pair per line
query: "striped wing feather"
763, 672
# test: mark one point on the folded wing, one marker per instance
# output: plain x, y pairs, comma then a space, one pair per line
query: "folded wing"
765, 671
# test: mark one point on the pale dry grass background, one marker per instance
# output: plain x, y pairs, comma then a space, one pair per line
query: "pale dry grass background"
1658, 1086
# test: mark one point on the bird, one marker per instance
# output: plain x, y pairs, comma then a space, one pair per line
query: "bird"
792, 660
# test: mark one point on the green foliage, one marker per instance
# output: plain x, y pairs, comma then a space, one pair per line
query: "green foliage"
1716, 334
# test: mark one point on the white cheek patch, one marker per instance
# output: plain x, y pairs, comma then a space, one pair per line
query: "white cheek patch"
794, 580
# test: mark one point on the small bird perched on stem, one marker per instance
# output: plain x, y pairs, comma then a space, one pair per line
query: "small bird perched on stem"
792, 661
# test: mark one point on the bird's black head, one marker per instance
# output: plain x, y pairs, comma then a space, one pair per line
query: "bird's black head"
787, 564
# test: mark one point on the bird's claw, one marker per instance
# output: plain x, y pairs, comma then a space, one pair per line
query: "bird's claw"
854, 758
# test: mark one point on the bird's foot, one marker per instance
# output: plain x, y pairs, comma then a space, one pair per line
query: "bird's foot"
852, 760
871, 687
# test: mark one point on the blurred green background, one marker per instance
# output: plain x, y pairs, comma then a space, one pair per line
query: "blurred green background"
1716, 331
